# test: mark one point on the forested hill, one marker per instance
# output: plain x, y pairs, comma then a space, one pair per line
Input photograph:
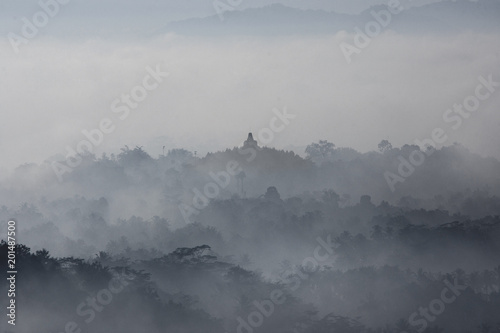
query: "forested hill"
318, 243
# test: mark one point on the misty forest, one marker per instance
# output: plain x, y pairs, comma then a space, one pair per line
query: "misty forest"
323, 236
263, 166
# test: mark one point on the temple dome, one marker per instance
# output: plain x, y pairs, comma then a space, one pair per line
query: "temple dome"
250, 142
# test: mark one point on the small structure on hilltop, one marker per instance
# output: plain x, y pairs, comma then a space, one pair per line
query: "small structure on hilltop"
250, 142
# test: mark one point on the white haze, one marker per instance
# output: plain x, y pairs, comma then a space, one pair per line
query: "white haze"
220, 89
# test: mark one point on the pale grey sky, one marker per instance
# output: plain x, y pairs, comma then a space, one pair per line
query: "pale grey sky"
219, 89
151, 13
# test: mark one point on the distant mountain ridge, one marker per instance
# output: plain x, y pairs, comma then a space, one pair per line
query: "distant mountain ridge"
277, 19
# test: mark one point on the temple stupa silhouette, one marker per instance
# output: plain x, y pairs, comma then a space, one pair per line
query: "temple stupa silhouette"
250, 142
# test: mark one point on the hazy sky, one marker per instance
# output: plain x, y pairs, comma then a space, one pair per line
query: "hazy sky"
130, 16
173, 9
219, 89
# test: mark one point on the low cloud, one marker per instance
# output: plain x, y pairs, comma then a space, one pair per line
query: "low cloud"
220, 89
